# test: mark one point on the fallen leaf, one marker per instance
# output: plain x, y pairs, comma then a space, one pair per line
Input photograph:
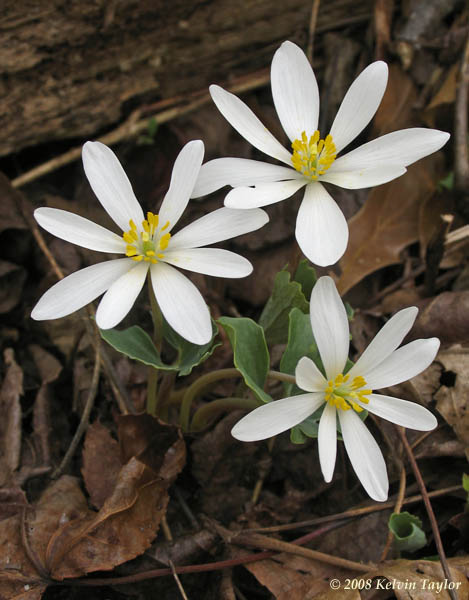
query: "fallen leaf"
396, 108
445, 316
12, 278
10, 215
387, 223
101, 463
129, 518
10, 423
452, 401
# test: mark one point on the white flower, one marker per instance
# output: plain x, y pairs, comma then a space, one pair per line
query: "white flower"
380, 366
148, 245
321, 229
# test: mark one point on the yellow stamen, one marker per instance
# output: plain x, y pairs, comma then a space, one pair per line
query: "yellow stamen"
345, 395
146, 244
313, 157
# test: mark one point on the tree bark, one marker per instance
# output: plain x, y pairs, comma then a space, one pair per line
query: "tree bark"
72, 68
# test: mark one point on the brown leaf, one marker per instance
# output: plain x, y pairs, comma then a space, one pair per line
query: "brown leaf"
387, 223
101, 463
407, 580
19, 578
445, 316
12, 278
452, 401
10, 216
48, 366
129, 519
10, 423
395, 110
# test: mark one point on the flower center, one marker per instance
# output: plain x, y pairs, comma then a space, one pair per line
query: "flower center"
314, 156
343, 394
148, 244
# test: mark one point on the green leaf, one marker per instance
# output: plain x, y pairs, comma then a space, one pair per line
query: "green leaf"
305, 275
465, 482
447, 182
250, 353
274, 318
189, 355
138, 345
296, 436
407, 531
300, 343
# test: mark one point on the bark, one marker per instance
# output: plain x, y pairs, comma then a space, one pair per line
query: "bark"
72, 68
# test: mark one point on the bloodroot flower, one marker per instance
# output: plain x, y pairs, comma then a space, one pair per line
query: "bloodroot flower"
347, 394
321, 229
149, 246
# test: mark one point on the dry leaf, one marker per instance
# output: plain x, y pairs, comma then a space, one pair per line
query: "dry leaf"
387, 223
445, 316
407, 580
10, 200
12, 278
452, 401
10, 423
395, 110
101, 463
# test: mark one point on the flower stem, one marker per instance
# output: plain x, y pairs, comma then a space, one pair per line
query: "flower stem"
152, 383
203, 414
200, 384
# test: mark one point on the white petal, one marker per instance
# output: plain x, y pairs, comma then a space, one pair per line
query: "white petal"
217, 226
247, 124
295, 91
327, 441
209, 261
121, 296
219, 172
263, 194
181, 304
399, 148
77, 230
388, 338
110, 184
365, 455
362, 178
185, 172
309, 377
321, 228
330, 326
79, 289
359, 104
403, 364
401, 412
274, 417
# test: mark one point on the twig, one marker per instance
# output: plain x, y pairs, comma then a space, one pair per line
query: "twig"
185, 508
312, 29
461, 158
262, 541
178, 581
356, 512
428, 506
85, 417
397, 509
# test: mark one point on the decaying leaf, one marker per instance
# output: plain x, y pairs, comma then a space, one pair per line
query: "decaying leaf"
101, 463
445, 316
70, 540
452, 401
387, 223
10, 422
12, 278
406, 580
396, 107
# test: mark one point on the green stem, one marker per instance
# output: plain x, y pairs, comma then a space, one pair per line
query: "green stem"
200, 384
202, 415
152, 383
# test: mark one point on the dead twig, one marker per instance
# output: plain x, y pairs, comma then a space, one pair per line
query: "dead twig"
85, 417
397, 509
312, 29
428, 506
461, 158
